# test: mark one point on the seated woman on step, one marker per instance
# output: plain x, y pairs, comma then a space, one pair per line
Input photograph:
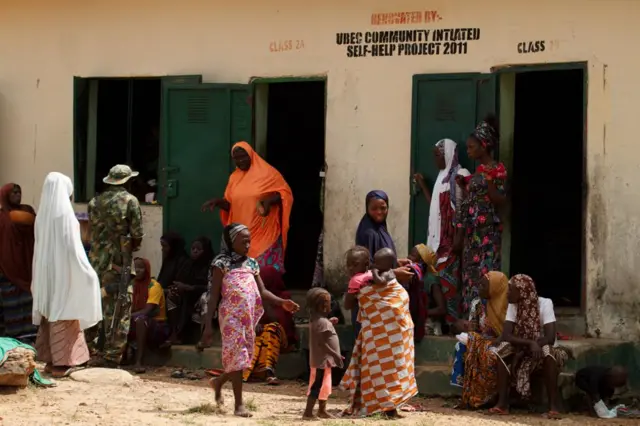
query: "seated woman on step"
275, 333
528, 345
149, 327
190, 284
475, 368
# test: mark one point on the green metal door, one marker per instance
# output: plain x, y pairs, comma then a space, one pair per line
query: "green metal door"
201, 123
444, 107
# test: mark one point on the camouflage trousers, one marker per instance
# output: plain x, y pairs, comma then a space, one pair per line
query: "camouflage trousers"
109, 339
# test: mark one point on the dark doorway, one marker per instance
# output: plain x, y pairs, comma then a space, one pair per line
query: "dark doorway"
295, 146
547, 183
128, 118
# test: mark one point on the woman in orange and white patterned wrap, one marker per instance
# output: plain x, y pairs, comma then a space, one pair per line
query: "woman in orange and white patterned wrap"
384, 313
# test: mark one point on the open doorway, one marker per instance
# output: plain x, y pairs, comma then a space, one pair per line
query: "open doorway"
547, 182
290, 133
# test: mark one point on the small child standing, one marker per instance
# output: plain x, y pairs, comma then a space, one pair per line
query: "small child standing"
358, 267
324, 352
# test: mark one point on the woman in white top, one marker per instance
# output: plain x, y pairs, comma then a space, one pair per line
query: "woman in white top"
444, 236
66, 290
528, 344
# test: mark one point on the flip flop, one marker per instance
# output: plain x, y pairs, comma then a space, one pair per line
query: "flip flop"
272, 381
214, 372
66, 373
552, 415
495, 411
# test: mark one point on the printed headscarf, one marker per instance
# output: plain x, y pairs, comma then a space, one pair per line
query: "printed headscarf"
374, 236
486, 134
228, 259
498, 301
428, 256
527, 324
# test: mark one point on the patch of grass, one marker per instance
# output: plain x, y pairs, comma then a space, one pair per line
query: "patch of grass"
205, 408
250, 404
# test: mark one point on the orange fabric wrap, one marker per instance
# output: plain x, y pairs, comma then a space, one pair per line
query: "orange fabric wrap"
243, 192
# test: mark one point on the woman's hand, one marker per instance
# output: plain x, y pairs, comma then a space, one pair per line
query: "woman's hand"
403, 274
535, 350
207, 336
264, 207
404, 262
182, 287
290, 306
334, 320
461, 326
210, 205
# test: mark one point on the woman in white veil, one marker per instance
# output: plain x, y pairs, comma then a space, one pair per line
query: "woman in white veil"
444, 235
66, 289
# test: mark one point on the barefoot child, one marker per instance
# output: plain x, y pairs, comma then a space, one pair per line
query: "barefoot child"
324, 352
235, 281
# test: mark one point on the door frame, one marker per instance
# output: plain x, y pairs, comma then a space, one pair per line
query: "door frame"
564, 66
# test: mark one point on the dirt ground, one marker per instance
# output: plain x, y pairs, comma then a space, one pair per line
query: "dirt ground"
156, 399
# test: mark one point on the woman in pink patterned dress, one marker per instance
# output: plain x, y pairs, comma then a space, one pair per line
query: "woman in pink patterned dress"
236, 284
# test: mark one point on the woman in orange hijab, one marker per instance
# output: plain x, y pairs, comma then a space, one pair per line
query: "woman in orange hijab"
258, 197
16, 256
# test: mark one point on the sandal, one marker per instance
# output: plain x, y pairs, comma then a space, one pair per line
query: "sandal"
496, 411
552, 415
272, 381
60, 373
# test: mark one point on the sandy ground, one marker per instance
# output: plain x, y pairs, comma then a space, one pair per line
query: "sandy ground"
156, 399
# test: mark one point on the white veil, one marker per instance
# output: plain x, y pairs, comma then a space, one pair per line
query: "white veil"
64, 286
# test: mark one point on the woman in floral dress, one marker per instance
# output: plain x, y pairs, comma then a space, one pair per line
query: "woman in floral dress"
236, 283
480, 221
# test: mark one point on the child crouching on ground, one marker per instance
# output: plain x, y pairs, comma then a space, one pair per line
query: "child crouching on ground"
600, 383
324, 352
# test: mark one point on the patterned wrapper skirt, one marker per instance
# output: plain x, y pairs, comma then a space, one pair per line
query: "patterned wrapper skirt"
61, 343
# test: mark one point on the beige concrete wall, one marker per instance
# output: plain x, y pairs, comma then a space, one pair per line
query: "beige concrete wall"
43, 44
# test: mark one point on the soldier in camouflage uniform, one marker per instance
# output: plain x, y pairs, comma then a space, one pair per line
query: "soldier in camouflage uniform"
113, 214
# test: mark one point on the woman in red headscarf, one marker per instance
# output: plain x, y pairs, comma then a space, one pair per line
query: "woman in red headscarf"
275, 333
258, 197
16, 256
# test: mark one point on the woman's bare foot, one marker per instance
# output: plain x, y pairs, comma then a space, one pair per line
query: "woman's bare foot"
241, 411
217, 390
325, 415
309, 417
48, 368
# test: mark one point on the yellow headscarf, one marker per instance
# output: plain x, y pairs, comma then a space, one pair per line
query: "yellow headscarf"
428, 257
498, 302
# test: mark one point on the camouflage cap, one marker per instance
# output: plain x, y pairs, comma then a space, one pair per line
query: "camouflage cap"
119, 174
